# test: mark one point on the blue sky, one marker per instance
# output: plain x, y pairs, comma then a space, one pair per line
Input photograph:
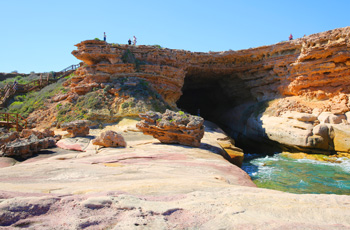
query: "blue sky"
38, 35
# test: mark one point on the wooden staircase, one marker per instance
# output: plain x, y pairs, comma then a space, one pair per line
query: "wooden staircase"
10, 90
13, 120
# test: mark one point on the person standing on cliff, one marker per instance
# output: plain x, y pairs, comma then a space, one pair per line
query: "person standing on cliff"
104, 36
134, 41
129, 42
290, 37
15, 85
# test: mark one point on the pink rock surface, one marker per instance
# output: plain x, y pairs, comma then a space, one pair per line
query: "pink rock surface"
7, 162
155, 186
77, 144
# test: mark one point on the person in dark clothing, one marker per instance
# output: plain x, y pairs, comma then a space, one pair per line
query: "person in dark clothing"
15, 84
104, 36
129, 42
290, 37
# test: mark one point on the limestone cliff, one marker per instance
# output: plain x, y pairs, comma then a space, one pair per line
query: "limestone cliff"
312, 72
313, 65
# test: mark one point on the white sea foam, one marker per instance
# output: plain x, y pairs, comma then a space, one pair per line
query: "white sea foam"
344, 163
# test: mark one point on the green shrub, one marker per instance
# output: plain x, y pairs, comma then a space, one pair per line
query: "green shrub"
132, 104
17, 105
108, 87
128, 57
125, 105
20, 98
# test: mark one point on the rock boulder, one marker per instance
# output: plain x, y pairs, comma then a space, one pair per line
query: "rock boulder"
76, 128
110, 139
173, 127
24, 148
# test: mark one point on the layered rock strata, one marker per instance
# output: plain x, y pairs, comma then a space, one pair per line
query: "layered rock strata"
172, 127
312, 65
314, 69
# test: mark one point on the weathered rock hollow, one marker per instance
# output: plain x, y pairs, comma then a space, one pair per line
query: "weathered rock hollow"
315, 69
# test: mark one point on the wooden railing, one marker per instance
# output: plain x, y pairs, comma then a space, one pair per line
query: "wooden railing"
72, 67
11, 89
13, 120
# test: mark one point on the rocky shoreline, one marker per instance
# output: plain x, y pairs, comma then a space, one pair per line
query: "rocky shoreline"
292, 95
150, 185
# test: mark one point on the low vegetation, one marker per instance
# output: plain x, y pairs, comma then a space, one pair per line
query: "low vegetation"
27, 103
130, 96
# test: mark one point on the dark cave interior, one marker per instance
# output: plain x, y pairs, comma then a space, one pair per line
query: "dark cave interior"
210, 97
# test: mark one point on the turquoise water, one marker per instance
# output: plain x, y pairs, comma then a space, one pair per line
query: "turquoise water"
298, 176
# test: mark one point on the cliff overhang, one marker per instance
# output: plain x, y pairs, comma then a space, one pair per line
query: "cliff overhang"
314, 68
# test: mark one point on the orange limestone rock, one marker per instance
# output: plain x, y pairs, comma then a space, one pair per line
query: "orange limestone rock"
110, 138
76, 128
106, 62
306, 75
172, 127
312, 65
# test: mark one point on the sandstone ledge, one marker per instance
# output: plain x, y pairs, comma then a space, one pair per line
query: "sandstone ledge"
155, 186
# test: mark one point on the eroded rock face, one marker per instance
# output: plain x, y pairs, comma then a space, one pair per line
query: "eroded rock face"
28, 142
25, 133
110, 139
312, 65
314, 68
173, 127
106, 62
8, 137
296, 129
76, 128
27, 147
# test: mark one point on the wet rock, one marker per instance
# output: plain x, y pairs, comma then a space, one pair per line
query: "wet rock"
173, 127
341, 138
110, 139
233, 154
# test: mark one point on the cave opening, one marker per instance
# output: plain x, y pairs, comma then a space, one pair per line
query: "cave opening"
214, 97
206, 102
211, 95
